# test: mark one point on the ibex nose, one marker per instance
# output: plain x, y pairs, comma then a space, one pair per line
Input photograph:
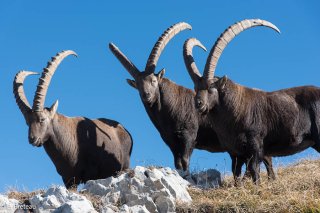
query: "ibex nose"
146, 95
199, 103
32, 139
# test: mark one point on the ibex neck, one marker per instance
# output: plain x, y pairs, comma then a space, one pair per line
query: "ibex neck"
174, 103
238, 101
62, 145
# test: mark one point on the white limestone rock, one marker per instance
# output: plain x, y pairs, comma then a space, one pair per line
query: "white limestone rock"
8, 205
76, 206
59, 199
133, 209
151, 189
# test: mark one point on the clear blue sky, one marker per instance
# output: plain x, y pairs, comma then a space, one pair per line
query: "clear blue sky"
93, 85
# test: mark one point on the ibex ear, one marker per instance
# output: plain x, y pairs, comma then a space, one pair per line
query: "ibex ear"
161, 74
53, 108
223, 81
132, 83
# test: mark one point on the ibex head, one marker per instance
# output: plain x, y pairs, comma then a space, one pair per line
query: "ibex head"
147, 82
38, 117
207, 87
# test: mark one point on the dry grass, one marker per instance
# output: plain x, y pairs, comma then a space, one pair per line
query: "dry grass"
297, 189
22, 196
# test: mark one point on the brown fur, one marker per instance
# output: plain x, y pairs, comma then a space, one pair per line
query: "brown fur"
253, 123
84, 149
182, 128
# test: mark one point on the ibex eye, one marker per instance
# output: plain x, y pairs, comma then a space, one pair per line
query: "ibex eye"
211, 88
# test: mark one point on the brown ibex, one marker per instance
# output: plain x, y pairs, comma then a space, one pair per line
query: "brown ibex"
81, 149
252, 123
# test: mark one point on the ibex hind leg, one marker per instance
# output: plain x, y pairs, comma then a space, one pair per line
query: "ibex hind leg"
316, 145
267, 161
268, 164
255, 155
316, 139
253, 167
237, 164
315, 127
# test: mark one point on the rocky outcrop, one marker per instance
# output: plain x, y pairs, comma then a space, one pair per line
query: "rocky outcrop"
143, 189
8, 205
59, 199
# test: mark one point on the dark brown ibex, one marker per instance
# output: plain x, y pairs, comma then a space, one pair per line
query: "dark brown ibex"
170, 106
253, 123
192, 67
81, 149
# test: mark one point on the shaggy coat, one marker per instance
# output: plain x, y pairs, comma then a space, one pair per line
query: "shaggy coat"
180, 125
242, 118
183, 128
255, 123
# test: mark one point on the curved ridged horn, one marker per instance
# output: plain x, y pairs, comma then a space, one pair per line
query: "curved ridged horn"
18, 91
130, 67
44, 81
162, 42
226, 37
188, 58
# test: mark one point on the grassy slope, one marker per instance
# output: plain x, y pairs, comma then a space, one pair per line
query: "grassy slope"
297, 189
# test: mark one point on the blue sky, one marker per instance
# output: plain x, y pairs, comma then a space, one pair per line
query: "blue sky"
93, 85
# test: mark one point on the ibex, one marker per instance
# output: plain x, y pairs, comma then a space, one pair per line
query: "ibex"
252, 123
170, 106
192, 67
81, 149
